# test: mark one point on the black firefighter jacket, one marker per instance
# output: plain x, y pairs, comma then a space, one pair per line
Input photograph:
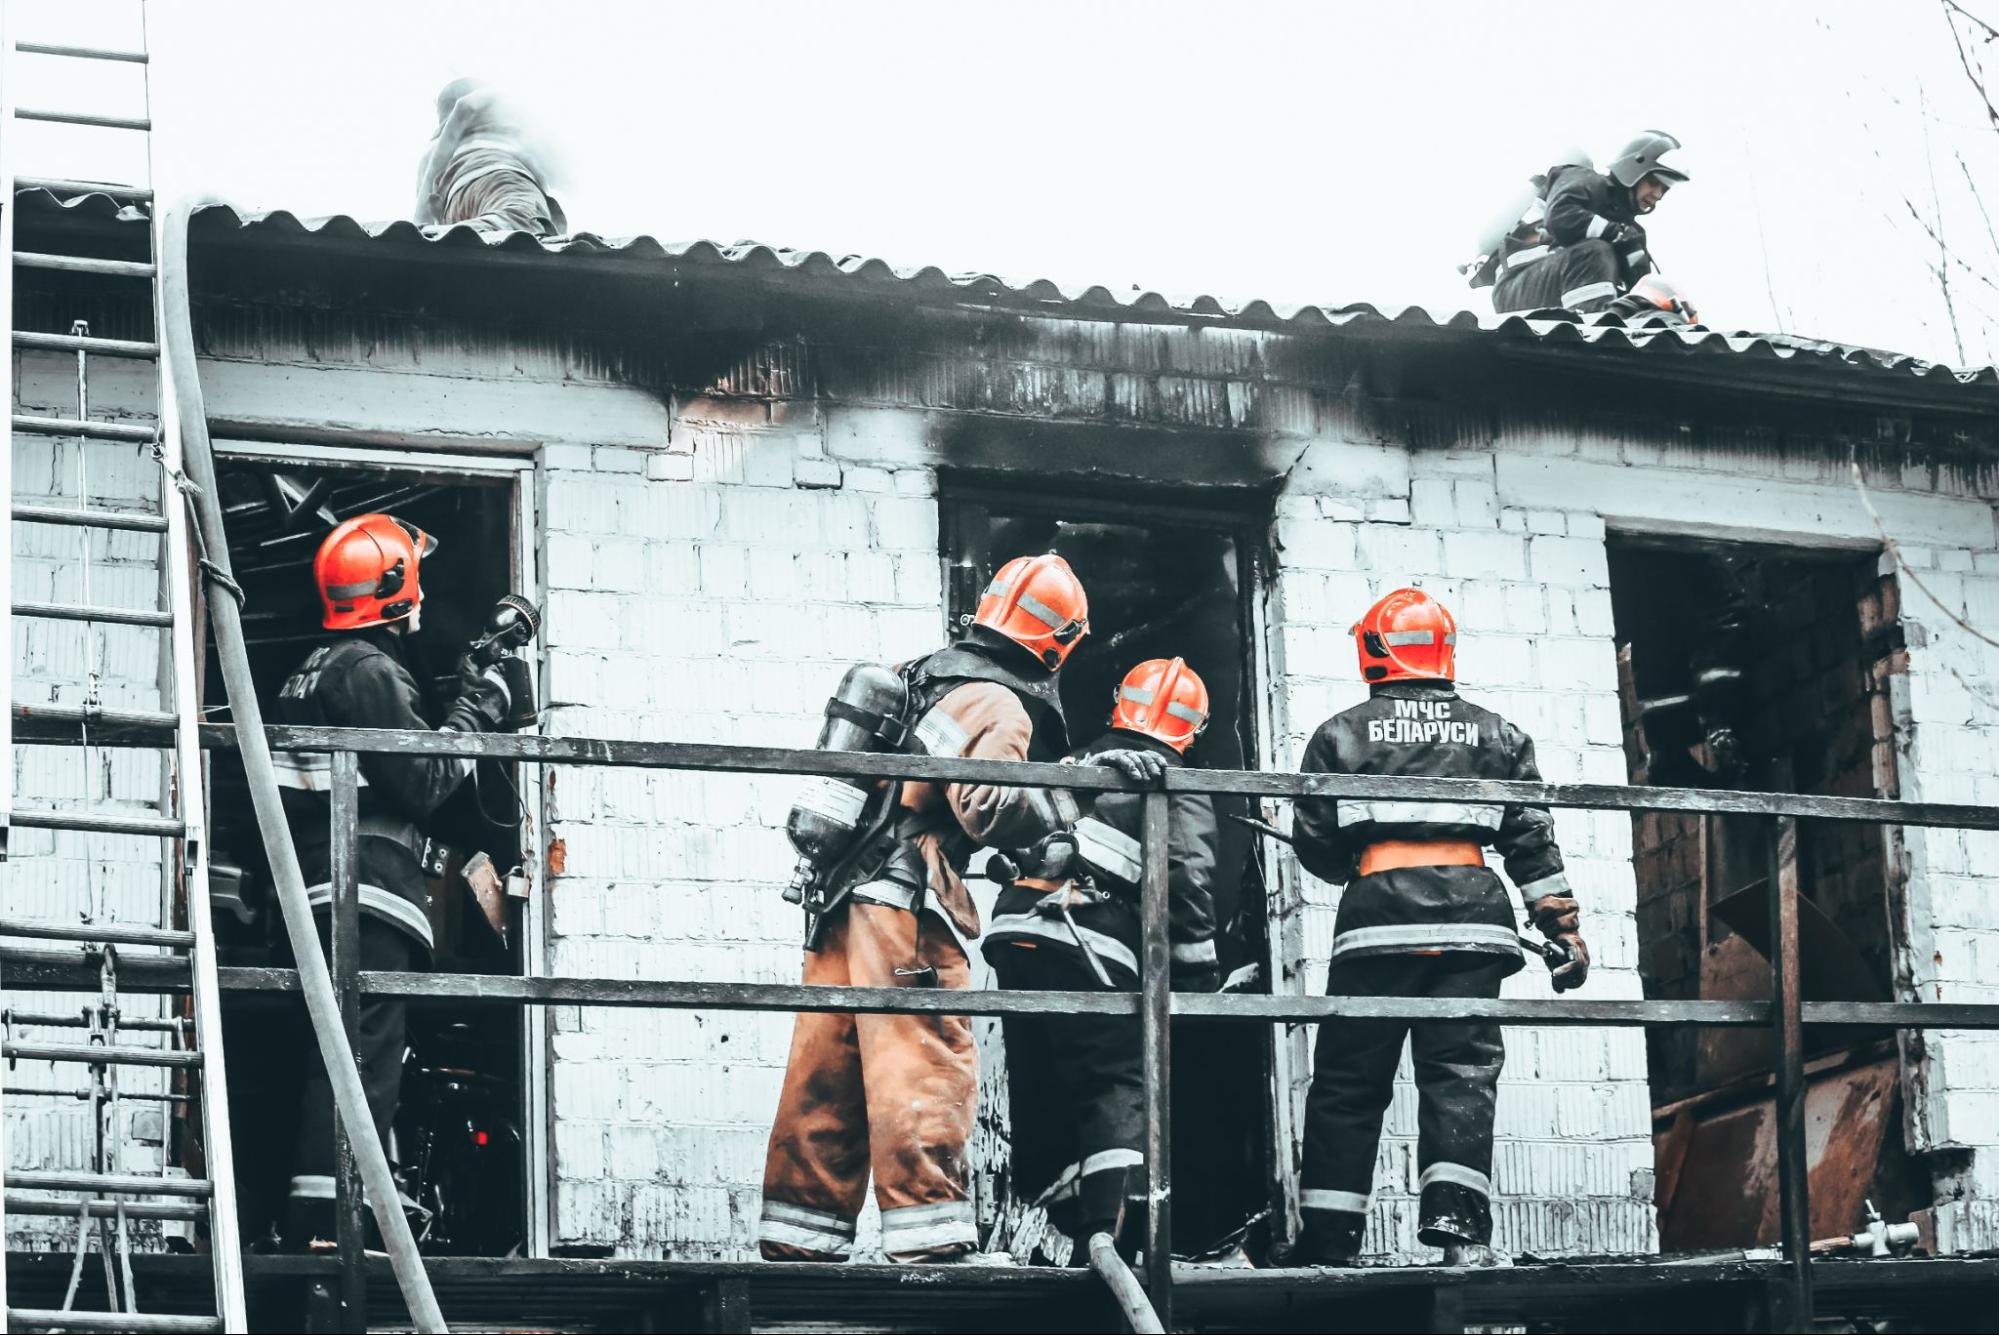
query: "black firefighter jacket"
1580, 204
358, 679
1425, 729
1108, 842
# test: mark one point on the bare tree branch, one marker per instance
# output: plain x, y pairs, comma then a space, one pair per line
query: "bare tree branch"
1902, 566
1952, 255
1951, 7
1978, 198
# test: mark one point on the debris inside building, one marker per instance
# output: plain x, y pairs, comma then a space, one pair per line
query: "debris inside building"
421, 630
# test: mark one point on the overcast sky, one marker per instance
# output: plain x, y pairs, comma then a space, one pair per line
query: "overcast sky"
1317, 152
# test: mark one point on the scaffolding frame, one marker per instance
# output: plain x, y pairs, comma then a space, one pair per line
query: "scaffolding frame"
1785, 1015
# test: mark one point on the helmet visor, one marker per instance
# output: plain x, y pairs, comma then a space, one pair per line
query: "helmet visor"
424, 542
1667, 167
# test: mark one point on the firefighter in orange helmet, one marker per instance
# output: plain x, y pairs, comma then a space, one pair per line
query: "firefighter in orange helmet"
1076, 1082
895, 1095
1421, 916
368, 575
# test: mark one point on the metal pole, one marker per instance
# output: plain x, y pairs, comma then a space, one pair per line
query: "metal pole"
1124, 1286
7, 520
350, 1202
1794, 1227
177, 334
1155, 1015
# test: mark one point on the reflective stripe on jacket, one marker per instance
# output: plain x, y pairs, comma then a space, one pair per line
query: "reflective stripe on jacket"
359, 680
1108, 842
1425, 729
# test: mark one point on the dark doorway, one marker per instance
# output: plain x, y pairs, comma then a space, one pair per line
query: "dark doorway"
1164, 580
1762, 669
458, 1136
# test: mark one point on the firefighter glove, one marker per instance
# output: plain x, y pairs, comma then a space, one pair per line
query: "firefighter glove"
1051, 858
483, 698
1628, 240
1138, 766
1568, 977
1555, 916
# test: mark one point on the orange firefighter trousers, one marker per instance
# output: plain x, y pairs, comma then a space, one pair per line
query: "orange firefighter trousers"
895, 1094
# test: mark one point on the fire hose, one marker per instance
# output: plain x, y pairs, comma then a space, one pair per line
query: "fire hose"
349, 1099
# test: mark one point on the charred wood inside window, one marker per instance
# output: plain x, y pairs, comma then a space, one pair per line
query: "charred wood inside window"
462, 1079
1767, 669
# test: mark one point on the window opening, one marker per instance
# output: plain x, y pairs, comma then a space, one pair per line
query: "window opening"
1164, 581
1762, 668
457, 1142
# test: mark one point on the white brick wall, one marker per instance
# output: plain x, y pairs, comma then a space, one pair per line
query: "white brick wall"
61, 875
1948, 738
713, 566
719, 608
1539, 651
1573, 1167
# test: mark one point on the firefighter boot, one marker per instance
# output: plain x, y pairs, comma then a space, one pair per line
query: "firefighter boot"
1474, 1256
1334, 1241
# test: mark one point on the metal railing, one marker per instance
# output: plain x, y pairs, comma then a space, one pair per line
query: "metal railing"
1155, 1004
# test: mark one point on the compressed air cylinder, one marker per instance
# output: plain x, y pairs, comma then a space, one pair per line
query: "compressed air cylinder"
862, 714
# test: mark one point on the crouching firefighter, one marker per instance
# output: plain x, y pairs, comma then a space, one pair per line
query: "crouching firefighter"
367, 570
1421, 916
881, 881
1578, 243
1069, 921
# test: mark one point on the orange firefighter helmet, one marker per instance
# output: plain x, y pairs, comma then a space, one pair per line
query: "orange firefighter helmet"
366, 571
1039, 604
1164, 699
1662, 292
1407, 636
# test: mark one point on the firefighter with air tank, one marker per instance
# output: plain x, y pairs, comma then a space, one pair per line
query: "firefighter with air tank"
882, 882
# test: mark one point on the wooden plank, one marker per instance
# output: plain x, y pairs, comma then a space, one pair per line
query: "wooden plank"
726, 1307
1794, 1227
1156, 1039
343, 871
68, 971
534, 748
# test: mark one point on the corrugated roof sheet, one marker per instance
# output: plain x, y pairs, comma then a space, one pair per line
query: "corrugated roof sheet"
927, 282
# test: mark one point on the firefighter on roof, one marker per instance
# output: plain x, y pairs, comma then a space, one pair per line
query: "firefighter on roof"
895, 1095
484, 168
1076, 1082
1578, 244
1421, 916
367, 571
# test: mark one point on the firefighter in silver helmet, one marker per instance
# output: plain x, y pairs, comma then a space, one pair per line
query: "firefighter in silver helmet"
1579, 244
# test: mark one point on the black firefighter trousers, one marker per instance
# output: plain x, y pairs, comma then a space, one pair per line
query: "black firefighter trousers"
1076, 1087
378, 1051
1584, 277
1353, 1077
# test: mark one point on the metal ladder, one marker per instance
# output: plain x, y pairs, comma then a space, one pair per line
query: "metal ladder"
106, 1199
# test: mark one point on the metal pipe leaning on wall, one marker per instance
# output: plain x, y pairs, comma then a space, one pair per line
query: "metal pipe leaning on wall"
177, 338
